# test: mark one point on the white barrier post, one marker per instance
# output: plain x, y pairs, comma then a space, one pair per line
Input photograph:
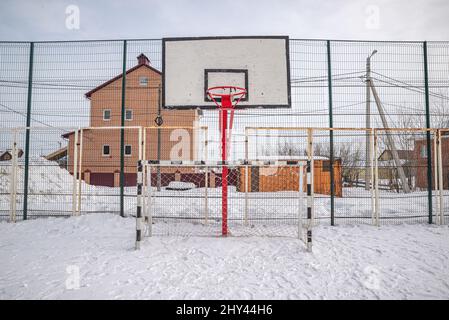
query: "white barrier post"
139, 204
13, 185
376, 179
206, 178
435, 175
206, 196
440, 177
80, 173
246, 194
309, 188
300, 199
372, 182
75, 173
150, 202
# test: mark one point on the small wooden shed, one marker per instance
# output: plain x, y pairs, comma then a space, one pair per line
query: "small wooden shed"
273, 179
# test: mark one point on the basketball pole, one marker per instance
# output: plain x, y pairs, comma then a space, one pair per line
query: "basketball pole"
224, 173
225, 105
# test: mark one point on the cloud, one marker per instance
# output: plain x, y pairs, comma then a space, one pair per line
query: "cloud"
101, 19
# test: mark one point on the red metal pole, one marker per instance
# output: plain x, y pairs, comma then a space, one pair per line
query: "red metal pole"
224, 174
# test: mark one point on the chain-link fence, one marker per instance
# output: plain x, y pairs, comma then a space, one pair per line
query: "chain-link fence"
61, 87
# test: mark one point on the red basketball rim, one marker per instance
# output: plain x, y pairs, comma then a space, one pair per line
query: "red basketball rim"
238, 92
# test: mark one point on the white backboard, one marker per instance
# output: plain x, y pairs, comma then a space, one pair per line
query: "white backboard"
259, 64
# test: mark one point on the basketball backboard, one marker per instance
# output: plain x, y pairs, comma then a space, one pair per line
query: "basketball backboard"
259, 64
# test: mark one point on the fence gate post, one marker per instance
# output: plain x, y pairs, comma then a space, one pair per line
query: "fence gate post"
440, 176
80, 171
331, 133
206, 178
300, 198
139, 204
429, 148
376, 181
149, 211
122, 135
246, 193
372, 192
27, 133
206, 196
310, 205
75, 172
13, 182
435, 174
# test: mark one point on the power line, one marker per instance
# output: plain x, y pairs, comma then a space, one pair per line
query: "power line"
24, 115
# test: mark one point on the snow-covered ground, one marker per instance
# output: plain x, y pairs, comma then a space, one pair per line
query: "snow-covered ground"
50, 191
41, 259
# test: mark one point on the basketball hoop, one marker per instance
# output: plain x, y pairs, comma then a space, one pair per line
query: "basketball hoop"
229, 97
226, 98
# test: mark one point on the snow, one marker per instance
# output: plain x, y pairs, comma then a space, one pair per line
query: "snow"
50, 191
180, 185
38, 259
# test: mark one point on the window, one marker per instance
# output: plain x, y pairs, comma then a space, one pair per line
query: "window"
423, 151
127, 150
326, 166
128, 114
106, 150
106, 114
143, 81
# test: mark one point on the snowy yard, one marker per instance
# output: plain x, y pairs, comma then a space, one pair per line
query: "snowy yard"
40, 260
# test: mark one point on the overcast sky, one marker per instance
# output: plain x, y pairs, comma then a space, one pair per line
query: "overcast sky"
346, 19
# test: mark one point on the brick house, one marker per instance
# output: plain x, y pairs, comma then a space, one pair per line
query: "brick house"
101, 147
420, 151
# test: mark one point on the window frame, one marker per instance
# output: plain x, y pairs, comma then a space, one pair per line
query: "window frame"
146, 83
126, 111
110, 114
423, 151
130, 149
102, 150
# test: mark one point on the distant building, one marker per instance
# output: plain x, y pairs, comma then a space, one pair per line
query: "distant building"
6, 155
420, 151
388, 171
101, 147
269, 179
59, 156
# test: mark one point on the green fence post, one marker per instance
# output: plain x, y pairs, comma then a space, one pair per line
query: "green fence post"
122, 135
27, 133
331, 132
429, 142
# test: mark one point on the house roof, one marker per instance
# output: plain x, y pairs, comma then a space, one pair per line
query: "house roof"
56, 155
6, 155
8, 151
67, 134
142, 60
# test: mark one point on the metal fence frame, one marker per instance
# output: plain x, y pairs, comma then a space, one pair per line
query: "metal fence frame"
437, 196
428, 62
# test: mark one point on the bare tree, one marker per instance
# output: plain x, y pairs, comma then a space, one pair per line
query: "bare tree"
406, 140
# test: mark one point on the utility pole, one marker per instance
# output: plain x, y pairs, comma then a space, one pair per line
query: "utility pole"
390, 141
368, 122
